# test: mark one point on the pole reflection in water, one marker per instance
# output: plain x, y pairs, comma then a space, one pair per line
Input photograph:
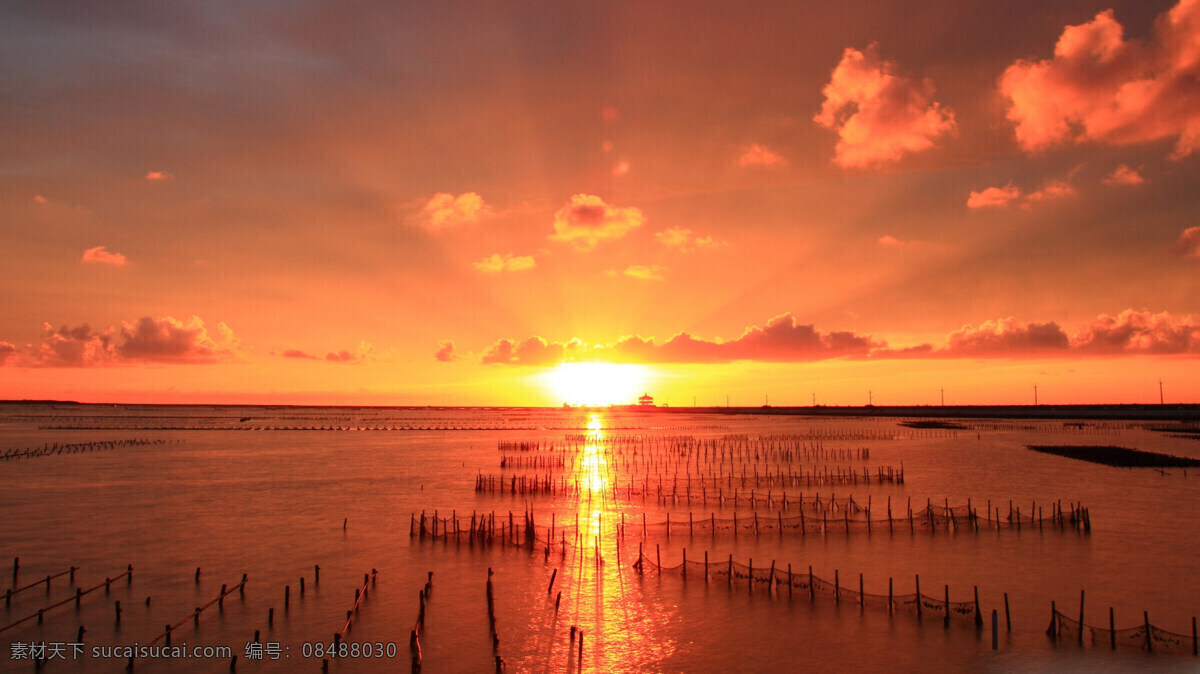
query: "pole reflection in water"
617, 616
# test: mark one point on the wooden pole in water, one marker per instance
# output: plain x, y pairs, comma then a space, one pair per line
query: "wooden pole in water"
891, 603
919, 595
1052, 631
978, 614
946, 619
860, 592
1081, 616
1149, 636
1112, 629
1007, 615
685, 565
995, 630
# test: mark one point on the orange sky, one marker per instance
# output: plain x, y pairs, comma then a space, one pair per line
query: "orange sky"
379, 203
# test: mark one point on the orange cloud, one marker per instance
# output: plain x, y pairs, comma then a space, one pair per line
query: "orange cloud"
532, 351
621, 169
783, 339
497, 263
1103, 88
1055, 189
644, 272
100, 256
167, 340
445, 352
146, 340
1002, 197
444, 210
683, 240
8, 351
73, 347
158, 176
1123, 175
758, 155
879, 116
39, 199
296, 353
1006, 337
586, 221
1134, 331
994, 197
1188, 244
365, 352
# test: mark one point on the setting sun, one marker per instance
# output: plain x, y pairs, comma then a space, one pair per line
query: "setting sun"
597, 383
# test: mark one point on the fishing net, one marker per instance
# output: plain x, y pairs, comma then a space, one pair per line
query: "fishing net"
1145, 636
805, 582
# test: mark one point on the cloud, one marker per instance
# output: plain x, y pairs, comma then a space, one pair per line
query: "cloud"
39, 199
167, 340
781, 340
879, 116
444, 210
445, 352
586, 220
532, 351
1003, 197
1100, 87
1055, 189
146, 340
8, 352
994, 197
621, 169
73, 347
643, 272
1006, 337
893, 243
684, 240
296, 353
158, 176
365, 352
1188, 244
497, 263
758, 155
100, 256
1134, 331
1123, 175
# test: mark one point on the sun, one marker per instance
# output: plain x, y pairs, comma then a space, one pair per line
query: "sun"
596, 383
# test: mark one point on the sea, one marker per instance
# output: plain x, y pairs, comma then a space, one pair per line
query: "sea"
157, 508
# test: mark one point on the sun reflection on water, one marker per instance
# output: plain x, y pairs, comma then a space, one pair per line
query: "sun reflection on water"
617, 623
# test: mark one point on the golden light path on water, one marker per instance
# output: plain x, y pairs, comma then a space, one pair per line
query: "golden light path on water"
619, 624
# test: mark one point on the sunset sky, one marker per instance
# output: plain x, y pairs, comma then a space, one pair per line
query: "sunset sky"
381, 202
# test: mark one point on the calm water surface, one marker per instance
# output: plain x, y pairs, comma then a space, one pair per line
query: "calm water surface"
272, 504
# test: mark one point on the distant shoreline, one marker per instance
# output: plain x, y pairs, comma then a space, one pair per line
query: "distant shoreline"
1132, 412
